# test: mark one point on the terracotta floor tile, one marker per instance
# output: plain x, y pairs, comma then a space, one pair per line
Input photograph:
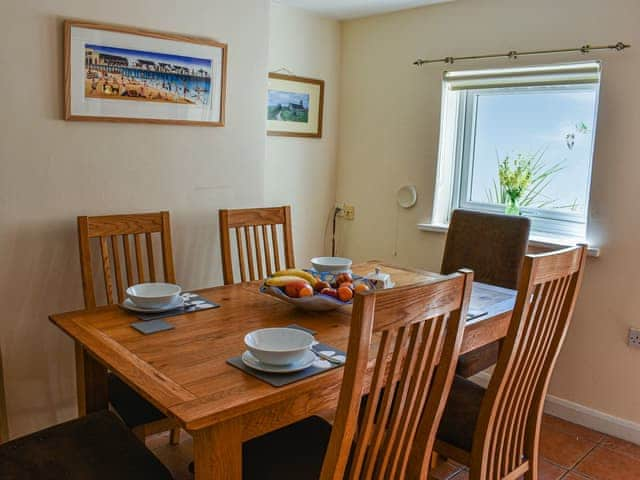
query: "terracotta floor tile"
605, 464
175, 457
549, 471
579, 431
622, 446
574, 476
563, 449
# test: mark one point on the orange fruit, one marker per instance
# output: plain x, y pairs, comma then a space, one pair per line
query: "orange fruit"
305, 291
361, 288
345, 293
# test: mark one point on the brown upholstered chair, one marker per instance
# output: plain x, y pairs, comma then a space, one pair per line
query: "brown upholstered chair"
256, 237
496, 432
391, 433
124, 264
493, 246
97, 447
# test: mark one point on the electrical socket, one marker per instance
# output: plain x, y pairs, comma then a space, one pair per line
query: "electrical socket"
349, 211
634, 337
346, 211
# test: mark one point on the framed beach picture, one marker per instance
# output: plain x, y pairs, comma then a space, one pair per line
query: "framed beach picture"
294, 106
131, 75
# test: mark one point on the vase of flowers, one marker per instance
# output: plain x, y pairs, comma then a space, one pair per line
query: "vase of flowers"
515, 177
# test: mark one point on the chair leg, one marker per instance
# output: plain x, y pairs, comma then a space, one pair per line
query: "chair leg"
532, 473
437, 459
174, 436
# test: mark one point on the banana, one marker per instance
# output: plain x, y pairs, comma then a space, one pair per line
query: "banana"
282, 280
296, 272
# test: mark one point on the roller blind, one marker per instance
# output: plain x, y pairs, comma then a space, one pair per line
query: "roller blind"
566, 74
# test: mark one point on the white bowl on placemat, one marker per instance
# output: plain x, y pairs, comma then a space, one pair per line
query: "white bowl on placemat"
278, 346
153, 295
331, 264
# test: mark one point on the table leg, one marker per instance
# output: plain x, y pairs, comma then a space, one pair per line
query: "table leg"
91, 383
218, 451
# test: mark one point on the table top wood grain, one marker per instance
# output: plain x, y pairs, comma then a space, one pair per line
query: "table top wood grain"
184, 373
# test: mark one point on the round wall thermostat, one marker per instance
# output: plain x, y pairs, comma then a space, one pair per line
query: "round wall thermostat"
407, 196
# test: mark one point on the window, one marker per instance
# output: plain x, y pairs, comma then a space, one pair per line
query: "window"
520, 140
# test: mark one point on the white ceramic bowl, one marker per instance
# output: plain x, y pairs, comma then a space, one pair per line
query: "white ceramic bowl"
151, 295
278, 346
331, 264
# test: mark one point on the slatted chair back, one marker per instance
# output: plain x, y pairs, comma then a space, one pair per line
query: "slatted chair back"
120, 259
391, 434
257, 242
506, 439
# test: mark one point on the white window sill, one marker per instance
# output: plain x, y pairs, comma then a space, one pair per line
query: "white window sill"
535, 240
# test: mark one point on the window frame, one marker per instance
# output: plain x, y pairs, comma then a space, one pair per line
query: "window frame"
546, 223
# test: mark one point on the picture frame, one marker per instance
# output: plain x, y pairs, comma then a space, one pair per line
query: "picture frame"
295, 106
125, 74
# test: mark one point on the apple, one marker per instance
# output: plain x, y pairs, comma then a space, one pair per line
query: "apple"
342, 278
321, 285
292, 289
332, 292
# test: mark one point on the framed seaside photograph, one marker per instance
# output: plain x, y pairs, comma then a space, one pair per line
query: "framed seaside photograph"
295, 106
125, 74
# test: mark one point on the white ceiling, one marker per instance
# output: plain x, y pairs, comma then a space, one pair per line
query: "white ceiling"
347, 9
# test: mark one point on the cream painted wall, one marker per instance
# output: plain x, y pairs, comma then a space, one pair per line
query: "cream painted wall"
301, 171
52, 170
389, 131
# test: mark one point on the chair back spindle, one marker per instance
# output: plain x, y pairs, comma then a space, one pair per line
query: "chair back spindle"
257, 241
391, 434
508, 427
122, 263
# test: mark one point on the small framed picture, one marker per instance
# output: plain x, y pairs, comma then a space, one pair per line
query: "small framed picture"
295, 106
123, 74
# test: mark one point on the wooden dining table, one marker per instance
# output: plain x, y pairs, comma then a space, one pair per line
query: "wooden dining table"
184, 371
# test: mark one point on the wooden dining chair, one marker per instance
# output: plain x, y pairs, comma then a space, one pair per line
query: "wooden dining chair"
389, 434
496, 432
493, 246
127, 257
256, 239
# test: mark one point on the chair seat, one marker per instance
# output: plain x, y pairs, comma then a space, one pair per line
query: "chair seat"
132, 408
295, 452
461, 414
97, 447
478, 360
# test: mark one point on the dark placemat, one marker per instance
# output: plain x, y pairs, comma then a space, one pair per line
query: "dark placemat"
152, 326
192, 303
280, 379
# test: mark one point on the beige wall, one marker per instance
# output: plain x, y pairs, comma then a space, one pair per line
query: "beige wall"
389, 130
52, 170
301, 171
